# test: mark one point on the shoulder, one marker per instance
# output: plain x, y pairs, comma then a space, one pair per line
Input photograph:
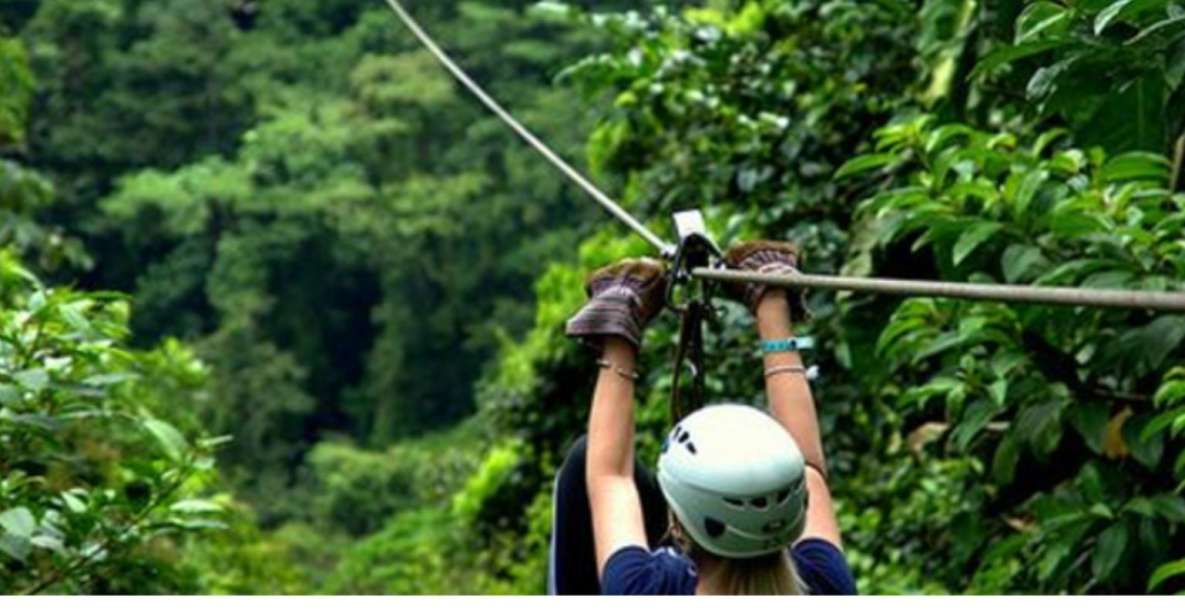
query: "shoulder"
633, 570
823, 567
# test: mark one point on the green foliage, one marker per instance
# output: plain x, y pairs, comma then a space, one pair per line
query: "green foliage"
1033, 391
1112, 71
357, 261
479, 540
102, 459
969, 441
357, 490
24, 193
18, 91
243, 560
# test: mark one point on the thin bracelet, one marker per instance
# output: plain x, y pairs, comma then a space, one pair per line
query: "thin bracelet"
810, 373
625, 374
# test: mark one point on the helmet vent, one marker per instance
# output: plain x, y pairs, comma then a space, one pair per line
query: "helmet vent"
691, 448
734, 502
683, 437
713, 527
759, 503
782, 496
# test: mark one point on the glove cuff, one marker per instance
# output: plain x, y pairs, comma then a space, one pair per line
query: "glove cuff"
607, 315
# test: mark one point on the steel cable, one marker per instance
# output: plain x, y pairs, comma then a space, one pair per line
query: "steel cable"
1099, 298
1075, 296
588, 187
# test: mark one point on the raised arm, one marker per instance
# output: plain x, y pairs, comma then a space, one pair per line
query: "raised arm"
609, 468
792, 404
623, 298
786, 384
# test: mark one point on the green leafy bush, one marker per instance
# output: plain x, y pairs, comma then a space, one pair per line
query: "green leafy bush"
1044, 397
101, 456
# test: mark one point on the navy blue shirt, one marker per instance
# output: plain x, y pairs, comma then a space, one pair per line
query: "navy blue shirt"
633, 570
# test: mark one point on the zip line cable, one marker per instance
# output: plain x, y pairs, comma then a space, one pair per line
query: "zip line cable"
1072, 296
1075, 296
609, 204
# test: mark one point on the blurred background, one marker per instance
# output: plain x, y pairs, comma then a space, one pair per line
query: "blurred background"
281, 306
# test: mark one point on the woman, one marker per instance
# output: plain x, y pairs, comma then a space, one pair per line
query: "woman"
740, 504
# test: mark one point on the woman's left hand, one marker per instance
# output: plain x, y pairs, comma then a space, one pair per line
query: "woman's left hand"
623, 299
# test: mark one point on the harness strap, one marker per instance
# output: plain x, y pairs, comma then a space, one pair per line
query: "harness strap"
689, 351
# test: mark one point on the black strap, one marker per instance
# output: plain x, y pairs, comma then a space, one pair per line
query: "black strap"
690, 350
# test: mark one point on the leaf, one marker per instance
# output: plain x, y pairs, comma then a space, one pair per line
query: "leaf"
1152, 344
1108, 551
216, 441
196, 524
34, 379
1047, 138
944, 134
1145, 451
47, 542
41, 422
1028, 189
113, 378
1039, 424
73, 502
1170, 506
1005, 459
1090, 420
1166, 571
1073, 223
1011, 54
1131, 118
19, 522
1169, 393
1107, 15
1044, 82
1136, 166
867, 162
1159, 423
970, 239
1037, 19
10, 395
999, 392
1090, 482
1159, 34
169, 438
545, 8
974, 420
1020, 262
195, 505
16, 547
1113, 443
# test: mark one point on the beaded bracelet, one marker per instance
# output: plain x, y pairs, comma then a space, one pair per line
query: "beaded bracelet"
787, 345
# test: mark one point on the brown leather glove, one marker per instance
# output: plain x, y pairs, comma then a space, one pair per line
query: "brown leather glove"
623, 299
765, 257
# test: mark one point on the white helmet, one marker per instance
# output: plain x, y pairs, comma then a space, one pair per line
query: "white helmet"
735, 479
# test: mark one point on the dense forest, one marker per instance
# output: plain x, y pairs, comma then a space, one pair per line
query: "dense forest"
281, 306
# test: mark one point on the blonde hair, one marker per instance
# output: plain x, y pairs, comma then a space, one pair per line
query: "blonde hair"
771, 574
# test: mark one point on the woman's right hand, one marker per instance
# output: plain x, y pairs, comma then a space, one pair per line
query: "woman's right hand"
766, 257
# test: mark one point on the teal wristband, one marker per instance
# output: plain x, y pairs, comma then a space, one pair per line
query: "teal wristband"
787, 345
